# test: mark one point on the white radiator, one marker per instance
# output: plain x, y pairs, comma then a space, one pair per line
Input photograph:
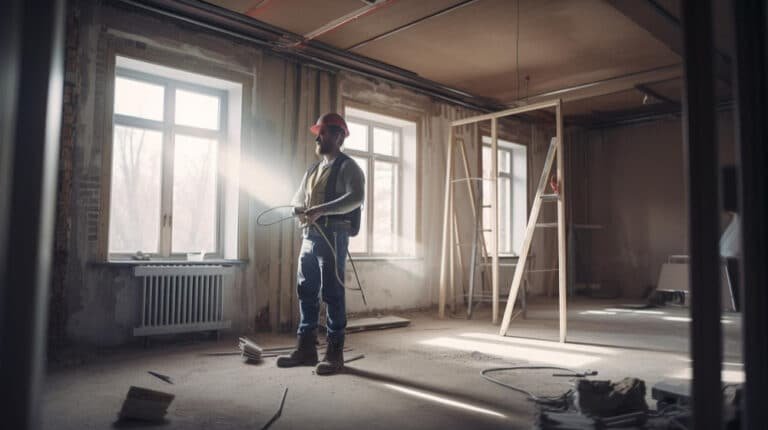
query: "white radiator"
179, 298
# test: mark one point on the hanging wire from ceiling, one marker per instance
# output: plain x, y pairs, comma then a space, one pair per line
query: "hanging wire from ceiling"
517, 51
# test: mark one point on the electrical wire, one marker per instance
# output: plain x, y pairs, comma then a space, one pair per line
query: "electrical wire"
269, 211
560, 401
332, 247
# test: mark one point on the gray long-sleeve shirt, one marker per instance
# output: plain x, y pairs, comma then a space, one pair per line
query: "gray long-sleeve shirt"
350, 186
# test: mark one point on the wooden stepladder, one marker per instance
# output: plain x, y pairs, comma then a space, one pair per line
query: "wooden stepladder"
491, 250
554, 151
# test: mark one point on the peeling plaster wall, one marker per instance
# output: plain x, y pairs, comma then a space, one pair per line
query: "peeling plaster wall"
630, 180
411, 282
281, 99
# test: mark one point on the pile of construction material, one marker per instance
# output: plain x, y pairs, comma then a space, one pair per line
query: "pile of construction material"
249, 350
145, 405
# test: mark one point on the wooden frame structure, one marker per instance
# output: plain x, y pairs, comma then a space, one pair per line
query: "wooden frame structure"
447, 281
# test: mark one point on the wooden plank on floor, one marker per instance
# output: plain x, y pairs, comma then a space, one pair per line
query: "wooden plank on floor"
363, 324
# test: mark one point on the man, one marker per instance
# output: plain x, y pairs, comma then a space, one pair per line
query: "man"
328, 202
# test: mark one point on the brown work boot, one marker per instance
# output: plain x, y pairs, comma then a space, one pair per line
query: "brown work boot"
305, 353
333, 361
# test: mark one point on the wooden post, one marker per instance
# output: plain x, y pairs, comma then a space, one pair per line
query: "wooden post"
473, 197
446, 211
495, 218
457, 246
562, 265
452, 246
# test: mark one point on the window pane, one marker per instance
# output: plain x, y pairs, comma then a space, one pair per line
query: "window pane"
195, 199
197, 110
505, 217
134, 223
487, 225
358, 137
138, 98
486, 175
505, 161
359, 243
519, 196
384, 207
384, 141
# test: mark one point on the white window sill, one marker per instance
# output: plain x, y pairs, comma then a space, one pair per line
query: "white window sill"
361, 258
130, 263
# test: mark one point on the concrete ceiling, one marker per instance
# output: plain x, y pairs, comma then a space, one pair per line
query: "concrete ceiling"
478, 47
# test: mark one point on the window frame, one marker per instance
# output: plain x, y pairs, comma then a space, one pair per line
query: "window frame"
169, 130
510, 176
371, 157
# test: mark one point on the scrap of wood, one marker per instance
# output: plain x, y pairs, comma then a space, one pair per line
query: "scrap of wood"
362, 324
355, 358
278, 413
145, 404
165, 378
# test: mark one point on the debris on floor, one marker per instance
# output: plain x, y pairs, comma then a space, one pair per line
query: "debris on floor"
571, 420
672, 392
165, 378
376, 323
355, 358
607, 399
145, 405
249, 350
279, 411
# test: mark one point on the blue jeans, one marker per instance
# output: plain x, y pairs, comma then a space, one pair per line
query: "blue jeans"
316, 275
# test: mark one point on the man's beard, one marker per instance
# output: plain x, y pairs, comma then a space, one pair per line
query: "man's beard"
322, 149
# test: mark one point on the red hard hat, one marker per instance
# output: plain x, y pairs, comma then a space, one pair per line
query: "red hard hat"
330, 119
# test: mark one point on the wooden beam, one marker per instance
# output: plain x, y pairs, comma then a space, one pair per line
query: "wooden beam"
446, 222
606, 86
561, 223
451, 246
645, 89
495, 219
507, 112
457, 247
665, 27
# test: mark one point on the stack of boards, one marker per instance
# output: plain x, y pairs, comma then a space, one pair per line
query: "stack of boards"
249, 350
145, 405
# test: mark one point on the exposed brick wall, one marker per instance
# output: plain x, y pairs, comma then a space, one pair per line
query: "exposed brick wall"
63, 231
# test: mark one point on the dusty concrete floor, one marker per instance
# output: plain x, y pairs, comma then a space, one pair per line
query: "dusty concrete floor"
423, 376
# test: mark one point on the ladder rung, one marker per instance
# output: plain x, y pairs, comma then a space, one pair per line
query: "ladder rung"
486, 206
500, 264
546, 225
487, 229
549, 197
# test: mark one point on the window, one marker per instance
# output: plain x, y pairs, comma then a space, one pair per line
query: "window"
384, 148
167, 196
513, 194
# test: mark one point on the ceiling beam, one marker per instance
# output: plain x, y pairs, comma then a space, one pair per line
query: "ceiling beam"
346, 19
648, 91
272, 38
665, 27
406, 26
606, 86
